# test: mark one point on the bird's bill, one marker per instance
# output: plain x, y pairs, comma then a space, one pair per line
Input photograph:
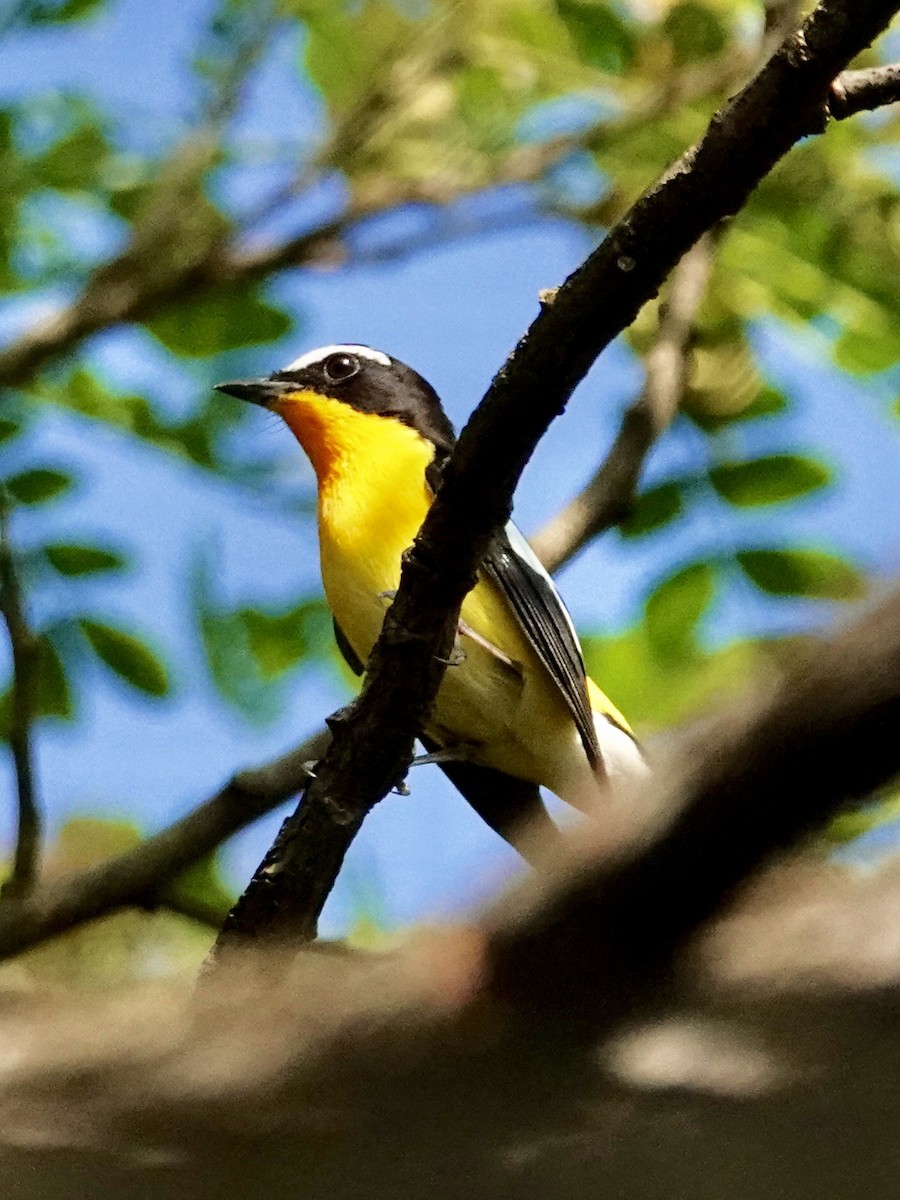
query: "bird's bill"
263, 392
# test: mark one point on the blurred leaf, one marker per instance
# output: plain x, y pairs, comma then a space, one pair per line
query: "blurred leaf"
84, 841
38, 485
601, 37
202, 884
223, 636
220, 320
46, 12
802, 572
127, 656
768, 402
655, 508
695, 31
8, 429
346, 47
71, 559
769, 480
675, 607
656, 692
855, 822
486, 106
52, 695
724, 381
74, 163
872, 344
279, 640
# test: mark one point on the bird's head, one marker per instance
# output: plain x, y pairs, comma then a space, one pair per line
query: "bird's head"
333, 399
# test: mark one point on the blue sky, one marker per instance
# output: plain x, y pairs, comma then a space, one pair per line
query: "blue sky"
453, 313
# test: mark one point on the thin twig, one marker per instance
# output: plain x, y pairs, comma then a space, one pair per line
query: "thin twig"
610, 494
859, 91
24, 650
141, 876
373, 738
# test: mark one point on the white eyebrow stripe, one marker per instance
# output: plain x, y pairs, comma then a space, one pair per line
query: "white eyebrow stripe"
311, 357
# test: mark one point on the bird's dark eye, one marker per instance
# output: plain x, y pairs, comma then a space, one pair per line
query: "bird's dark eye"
338, 367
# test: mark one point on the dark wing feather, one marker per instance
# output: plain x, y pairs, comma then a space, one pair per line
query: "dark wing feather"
541, 614
511, 807
351, 658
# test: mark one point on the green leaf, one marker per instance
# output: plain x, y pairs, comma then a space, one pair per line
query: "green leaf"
74, 162
656, 507
127, 656
202, 884
600, 36
349, 47
802, 572
772, 479
280, 641
38, 485
52, 695
71, 559
222, 319
46, 12
869, 341
8, 430
674, 609
656, 693
769, 402
695, 32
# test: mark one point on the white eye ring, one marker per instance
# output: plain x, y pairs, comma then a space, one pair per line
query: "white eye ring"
339, 367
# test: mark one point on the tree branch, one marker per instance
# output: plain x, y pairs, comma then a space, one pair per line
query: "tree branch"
857, 91
610, 494
141, 877
373, 738
24, 650
603, 936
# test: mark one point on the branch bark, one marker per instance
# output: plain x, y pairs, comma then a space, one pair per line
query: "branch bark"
373, 738
859, 91
24, 651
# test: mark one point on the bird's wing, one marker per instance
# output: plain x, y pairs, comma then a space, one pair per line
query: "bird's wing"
351, 658
511, 807
515, 569
503, 802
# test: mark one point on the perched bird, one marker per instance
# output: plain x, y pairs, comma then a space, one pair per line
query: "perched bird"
516, 710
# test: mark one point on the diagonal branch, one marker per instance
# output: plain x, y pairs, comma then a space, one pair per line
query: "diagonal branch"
610, 494
373, 738
24, 649
601, 938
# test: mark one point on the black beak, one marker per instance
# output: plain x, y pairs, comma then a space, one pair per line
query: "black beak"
256, 391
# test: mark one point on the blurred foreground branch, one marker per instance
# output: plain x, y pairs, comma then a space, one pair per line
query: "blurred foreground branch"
477, 1046
373, 738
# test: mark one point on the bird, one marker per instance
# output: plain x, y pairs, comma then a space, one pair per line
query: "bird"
516, 709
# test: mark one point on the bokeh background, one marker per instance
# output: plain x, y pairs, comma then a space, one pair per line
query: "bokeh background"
458, 158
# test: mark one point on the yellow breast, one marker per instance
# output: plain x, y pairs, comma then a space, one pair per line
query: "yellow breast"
372, 501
